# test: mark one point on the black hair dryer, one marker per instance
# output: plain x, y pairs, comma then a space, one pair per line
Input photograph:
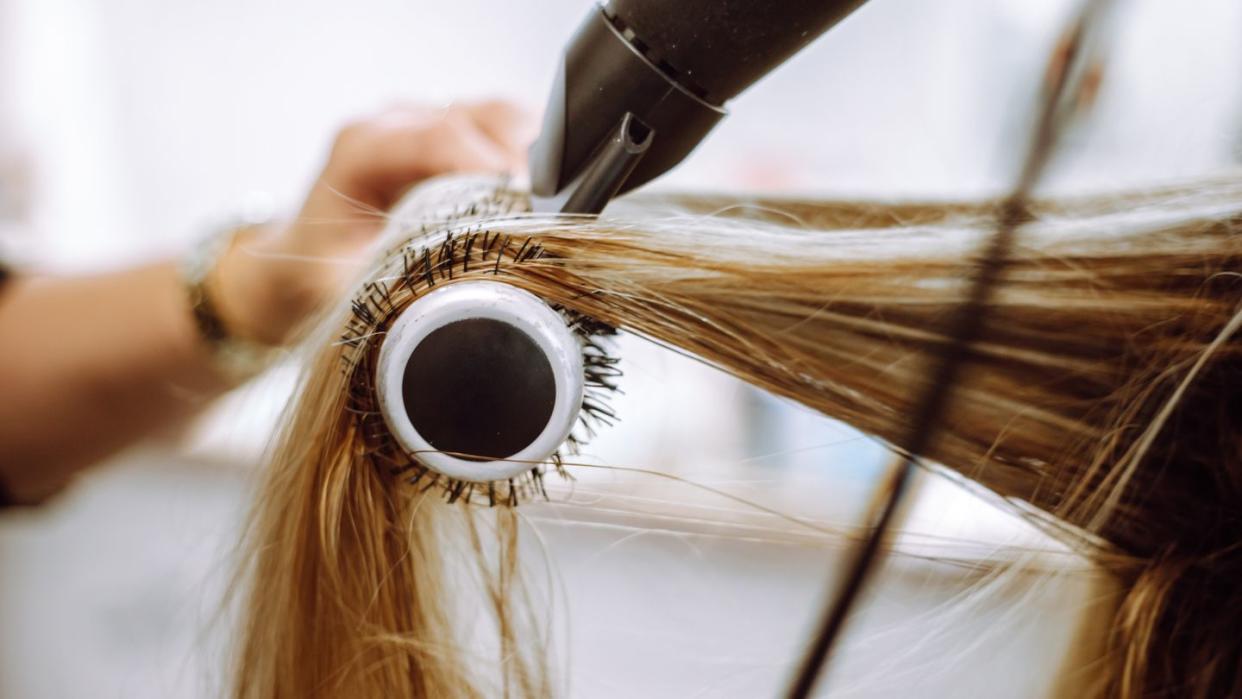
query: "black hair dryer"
642, 82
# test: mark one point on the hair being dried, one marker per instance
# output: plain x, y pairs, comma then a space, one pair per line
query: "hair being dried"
1102, 396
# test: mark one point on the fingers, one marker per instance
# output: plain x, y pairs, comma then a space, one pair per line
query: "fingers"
376, 158
462, 146
508, 125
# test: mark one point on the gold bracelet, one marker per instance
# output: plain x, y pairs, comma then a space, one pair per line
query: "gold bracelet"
236, 358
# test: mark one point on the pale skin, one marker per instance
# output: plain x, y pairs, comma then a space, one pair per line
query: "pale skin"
89, 365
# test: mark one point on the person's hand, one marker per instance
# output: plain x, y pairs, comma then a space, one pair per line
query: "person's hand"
273, 277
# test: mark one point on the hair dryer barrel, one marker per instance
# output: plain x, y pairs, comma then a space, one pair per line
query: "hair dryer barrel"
718, 48
670, 65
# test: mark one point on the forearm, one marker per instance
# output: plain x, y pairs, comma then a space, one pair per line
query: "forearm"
90, 364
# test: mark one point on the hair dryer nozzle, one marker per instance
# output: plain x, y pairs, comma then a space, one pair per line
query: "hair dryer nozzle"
602, 78
671, 65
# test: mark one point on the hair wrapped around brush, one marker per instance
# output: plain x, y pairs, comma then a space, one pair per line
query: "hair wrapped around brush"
1102, 398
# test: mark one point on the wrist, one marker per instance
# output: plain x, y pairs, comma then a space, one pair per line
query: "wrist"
261, 297
226, 288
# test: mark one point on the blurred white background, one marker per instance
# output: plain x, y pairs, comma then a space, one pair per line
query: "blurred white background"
128, 127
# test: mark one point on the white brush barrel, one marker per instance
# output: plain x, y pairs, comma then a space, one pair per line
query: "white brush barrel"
480, 380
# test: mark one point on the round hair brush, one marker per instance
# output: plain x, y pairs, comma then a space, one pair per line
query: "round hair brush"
480, 380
